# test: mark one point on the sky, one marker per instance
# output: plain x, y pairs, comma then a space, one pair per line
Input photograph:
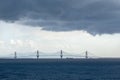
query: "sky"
49, 26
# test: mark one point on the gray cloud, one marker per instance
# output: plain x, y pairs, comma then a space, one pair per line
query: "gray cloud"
94, 16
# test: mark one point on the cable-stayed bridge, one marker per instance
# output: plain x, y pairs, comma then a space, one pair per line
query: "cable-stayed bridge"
58, 54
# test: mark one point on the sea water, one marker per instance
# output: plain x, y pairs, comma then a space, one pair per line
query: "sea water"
60, 69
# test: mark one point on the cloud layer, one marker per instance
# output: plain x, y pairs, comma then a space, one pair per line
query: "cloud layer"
25, 39
94, 16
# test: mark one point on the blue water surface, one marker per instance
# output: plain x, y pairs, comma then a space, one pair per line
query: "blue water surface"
60, 70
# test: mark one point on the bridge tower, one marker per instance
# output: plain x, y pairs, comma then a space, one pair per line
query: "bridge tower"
15, 55
61, 54
37, 54
86, 55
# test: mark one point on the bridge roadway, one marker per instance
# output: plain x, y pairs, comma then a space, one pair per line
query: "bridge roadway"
44, 60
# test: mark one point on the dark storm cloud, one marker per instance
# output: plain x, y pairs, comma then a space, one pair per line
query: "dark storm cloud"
94, 16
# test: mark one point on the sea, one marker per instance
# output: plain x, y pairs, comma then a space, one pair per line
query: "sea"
60, 69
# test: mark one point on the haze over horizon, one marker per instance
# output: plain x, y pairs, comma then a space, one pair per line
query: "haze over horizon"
51, 25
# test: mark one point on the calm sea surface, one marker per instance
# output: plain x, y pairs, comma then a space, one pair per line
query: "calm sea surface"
67, 69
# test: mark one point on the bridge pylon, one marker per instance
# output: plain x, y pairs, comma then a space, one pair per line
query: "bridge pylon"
37, 54
15, 55
86, 55
61, 54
